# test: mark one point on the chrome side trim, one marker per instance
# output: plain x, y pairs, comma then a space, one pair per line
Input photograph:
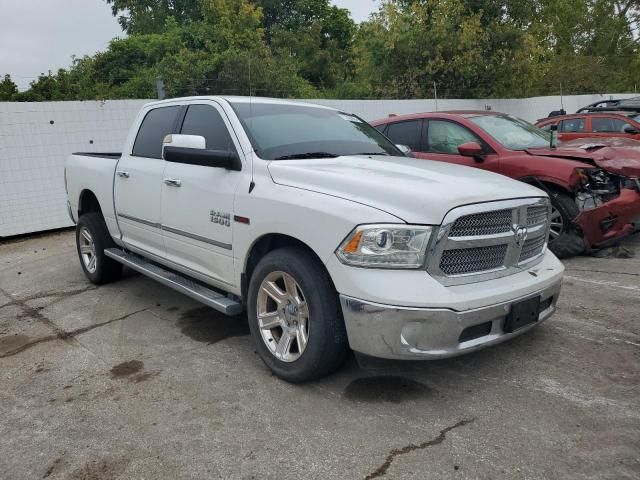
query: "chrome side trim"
215, 243
139, 220
193, 236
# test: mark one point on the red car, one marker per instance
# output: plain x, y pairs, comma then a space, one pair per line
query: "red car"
594, 191
593, 125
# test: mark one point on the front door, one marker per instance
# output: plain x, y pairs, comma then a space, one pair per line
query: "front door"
138, 182
602, 126
441, 139
197, 200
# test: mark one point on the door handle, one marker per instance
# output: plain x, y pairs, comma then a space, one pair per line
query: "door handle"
173, 182
123, 174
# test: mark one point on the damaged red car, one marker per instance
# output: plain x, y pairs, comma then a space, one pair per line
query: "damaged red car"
594, 188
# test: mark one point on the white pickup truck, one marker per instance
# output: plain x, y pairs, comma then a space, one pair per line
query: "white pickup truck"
320, 227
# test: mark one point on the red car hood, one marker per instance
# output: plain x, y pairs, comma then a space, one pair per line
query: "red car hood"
619, 160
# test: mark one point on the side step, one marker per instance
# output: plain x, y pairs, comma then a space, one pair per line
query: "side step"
189, 287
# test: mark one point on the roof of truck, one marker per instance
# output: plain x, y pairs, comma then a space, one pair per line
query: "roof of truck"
239, 99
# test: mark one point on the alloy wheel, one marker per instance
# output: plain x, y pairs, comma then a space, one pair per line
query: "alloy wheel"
283, 316
556, 224
87, 250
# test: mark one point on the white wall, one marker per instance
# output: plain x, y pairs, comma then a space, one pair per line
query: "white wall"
32, 149
32, 153
530, 109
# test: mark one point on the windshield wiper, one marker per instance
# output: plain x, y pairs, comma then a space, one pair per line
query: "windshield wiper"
373, 153
307, 155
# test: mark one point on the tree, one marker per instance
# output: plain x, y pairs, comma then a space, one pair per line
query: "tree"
149, 16
8, 89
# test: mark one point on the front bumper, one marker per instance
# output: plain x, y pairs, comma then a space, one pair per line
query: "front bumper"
393, 332
612, 220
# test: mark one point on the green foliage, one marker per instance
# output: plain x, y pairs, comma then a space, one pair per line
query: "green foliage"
8, 89
309, 48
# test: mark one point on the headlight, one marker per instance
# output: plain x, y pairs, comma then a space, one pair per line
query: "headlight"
385, 246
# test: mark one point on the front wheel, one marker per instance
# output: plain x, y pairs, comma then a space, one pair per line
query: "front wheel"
564, 240
295, 317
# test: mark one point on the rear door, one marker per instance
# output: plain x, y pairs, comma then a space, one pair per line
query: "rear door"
572, 128
138, 180
441, 139
408, 132
197, 200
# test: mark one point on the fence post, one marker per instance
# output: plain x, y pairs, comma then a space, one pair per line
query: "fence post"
160, 89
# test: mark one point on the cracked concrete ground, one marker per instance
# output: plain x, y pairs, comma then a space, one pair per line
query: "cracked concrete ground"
133, 380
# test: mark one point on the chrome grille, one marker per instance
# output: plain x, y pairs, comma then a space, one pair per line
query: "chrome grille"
537, 215
531, 248
487, 223
471, 260
489, 240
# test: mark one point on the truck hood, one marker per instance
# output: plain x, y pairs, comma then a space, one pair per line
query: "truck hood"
623, 161
416, 191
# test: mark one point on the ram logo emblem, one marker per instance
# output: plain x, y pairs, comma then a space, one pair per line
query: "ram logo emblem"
521, 235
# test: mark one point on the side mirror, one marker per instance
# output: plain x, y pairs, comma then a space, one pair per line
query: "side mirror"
190, 150
553, 136
184, 141
404, 149
471, 149
631, 130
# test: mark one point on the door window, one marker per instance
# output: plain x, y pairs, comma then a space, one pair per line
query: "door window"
205, 121
157, 124
406, 133
608, 125
571, 125
446, 137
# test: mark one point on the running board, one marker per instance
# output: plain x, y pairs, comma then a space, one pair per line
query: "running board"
178, 282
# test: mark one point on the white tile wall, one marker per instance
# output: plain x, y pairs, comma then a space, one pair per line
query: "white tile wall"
32, 150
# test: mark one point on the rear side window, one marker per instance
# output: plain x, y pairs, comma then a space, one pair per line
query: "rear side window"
157, 124
406, 133
205, 121
571, 125
608, 125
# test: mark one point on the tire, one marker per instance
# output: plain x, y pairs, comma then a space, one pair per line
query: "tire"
92, 238
326, 346
569, 242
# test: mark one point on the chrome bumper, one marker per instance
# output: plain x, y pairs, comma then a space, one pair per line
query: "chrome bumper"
393, 332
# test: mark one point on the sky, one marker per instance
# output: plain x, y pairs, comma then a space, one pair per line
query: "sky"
41, 35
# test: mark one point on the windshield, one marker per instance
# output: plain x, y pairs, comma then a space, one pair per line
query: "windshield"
279, 132
511, 132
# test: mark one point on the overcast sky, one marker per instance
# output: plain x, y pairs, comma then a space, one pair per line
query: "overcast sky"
41, 35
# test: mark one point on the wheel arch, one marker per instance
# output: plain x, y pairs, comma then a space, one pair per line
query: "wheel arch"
549, 185
88, 202
263, 245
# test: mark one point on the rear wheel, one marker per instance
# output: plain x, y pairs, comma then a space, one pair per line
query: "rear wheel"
92, 238
564, 239
295, 317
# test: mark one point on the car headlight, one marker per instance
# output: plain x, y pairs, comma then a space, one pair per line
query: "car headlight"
386, 246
